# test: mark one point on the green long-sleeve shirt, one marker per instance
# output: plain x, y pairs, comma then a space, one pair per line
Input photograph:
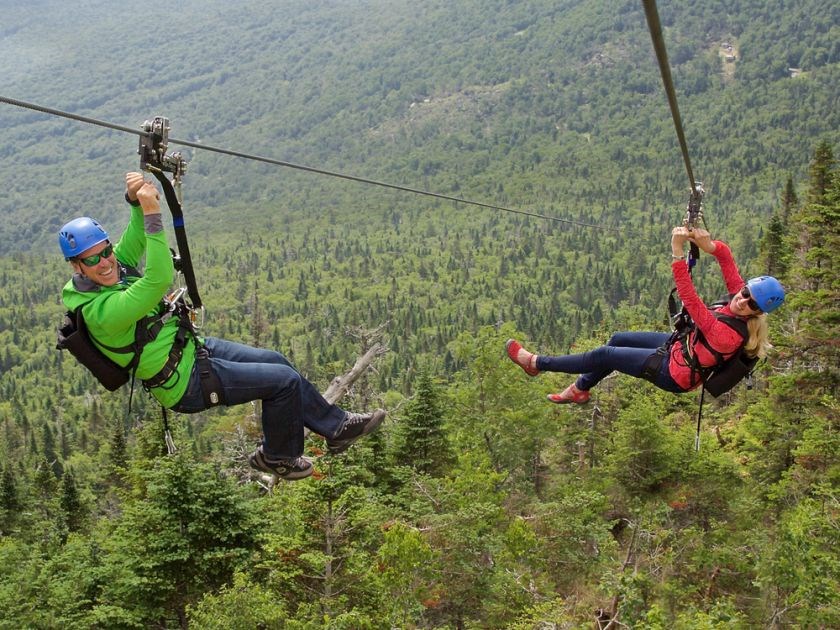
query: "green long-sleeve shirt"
111, 313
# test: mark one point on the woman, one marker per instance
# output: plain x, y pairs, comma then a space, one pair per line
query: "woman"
712, 340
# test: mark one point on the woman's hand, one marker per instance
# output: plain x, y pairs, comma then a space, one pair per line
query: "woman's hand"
703, 240
679, 236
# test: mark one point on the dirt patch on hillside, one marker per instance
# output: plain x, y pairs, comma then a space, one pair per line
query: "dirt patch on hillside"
453, 110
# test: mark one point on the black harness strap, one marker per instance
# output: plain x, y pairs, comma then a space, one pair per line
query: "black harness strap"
180, 235
154, 159
175, 352
211, 385
653, 364
690, 354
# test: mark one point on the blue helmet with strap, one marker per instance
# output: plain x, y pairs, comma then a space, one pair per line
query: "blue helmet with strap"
767, 292
79, 235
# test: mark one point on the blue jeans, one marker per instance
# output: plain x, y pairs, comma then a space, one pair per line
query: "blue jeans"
289, 401
625, 352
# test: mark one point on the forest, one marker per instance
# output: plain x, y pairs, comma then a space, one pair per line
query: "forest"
478, 504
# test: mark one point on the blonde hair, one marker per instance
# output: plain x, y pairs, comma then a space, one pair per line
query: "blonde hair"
758, 342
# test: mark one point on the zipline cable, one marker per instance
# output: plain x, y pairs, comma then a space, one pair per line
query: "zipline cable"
655, 28
694, 212
310, 169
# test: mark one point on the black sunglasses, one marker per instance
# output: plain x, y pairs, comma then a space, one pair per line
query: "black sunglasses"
92, 261
745, 293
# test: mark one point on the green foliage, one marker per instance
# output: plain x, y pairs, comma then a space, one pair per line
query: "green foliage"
71, 506
405, 563
800, 571
183, 533
420, 441
647, 453
537, 514
241, 605
814, 275
9, 499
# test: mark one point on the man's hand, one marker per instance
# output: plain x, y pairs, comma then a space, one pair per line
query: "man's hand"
149, 198
133, 182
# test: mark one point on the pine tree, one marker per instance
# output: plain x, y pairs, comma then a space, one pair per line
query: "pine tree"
9, 500
49, 452
820, 173
117, 455
421, 441
70, 503
775, 249
789, 201
183, 533
815, 271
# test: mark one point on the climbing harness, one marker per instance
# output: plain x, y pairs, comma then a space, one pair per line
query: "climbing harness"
717, 379
727, 371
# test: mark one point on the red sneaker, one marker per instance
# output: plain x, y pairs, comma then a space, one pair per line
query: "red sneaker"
524, 359
570, 395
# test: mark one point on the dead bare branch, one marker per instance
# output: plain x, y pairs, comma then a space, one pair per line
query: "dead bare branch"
341, 384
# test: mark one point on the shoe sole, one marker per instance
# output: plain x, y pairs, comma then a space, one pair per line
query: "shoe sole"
288, 476
334, 448
566, 401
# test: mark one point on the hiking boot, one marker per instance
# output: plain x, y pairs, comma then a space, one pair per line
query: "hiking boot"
524, 359
355, 425
570, 395
289, 468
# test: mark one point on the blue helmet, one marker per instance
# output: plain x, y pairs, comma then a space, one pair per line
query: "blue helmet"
79, 235
767, 292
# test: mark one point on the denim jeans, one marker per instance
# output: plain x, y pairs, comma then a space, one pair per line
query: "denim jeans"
625, 352
289, 401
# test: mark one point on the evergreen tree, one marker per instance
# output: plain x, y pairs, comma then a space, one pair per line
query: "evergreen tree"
70, 503
49, 451
182, 534
775, 249
789, 201
9, 500
421, 442
118, 453
820, 173
815, 271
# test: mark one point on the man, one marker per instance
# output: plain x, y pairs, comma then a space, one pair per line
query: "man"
126, 315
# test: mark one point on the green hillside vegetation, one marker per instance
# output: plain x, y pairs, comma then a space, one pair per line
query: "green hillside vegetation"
478, 505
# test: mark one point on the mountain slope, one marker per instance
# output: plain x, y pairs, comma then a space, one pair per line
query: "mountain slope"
537, 104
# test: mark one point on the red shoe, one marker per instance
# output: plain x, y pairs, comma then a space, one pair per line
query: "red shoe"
570, 395
524, 359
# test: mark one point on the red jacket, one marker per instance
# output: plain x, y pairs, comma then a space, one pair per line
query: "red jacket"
721, 337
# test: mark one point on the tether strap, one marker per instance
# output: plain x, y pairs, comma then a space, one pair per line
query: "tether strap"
180, 236
167, 436
699, 416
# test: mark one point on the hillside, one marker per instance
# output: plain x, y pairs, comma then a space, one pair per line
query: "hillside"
549, 107
556, 106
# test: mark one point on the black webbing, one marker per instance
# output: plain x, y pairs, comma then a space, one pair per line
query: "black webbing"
180, 236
